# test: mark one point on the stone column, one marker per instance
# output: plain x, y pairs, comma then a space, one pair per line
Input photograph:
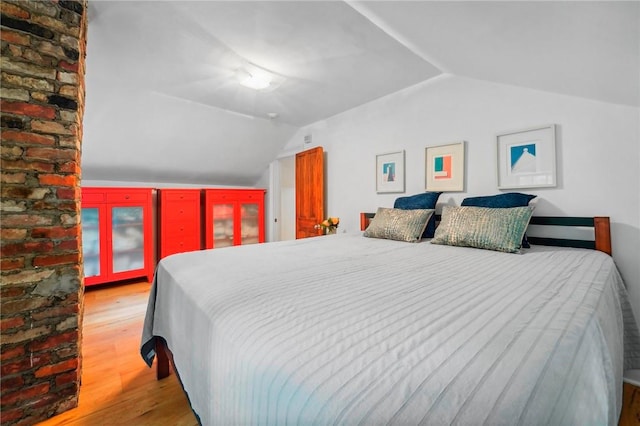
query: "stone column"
42, 104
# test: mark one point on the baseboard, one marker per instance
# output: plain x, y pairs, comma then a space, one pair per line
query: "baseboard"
632, 376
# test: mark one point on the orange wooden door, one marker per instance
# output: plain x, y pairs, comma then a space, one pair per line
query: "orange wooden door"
309, 192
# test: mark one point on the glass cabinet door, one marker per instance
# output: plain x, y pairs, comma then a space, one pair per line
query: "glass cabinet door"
222, 225
127, 238
91, 241
250, 224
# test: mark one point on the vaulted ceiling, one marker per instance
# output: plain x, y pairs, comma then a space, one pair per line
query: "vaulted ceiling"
164, 103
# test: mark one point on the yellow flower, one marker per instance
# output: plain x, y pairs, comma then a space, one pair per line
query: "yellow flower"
330, 222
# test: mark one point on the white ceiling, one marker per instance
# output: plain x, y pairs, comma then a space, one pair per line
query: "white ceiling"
161, 82
586, 49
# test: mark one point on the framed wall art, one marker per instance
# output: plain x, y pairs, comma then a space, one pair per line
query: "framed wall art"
390, 172
444, 167
527, 158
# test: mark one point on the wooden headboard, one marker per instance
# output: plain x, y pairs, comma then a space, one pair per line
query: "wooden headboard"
600, 225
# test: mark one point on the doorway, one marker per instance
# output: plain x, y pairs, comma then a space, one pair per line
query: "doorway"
285, 214
296, 203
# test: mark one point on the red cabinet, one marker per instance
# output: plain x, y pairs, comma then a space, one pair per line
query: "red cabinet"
117, 239
179, 227
233, 217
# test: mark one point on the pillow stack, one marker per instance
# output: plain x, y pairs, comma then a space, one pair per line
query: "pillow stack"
425, 200
496, 222
502, 201
399, 224
499, 229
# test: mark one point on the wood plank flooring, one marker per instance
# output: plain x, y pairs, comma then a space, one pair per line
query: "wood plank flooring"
117, 386
630, 415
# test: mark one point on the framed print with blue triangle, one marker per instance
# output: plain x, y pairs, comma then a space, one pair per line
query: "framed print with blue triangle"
527, 158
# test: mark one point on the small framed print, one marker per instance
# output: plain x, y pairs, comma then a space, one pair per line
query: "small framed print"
390, 172
527, 158
444, 167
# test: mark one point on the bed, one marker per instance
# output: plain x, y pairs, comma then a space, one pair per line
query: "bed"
343, 329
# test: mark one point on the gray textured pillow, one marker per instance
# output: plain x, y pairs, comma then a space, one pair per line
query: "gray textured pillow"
482, 227
398, 224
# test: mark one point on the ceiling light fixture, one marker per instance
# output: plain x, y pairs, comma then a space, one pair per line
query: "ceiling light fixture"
255, 79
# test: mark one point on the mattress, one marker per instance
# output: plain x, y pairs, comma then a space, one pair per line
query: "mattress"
349, 330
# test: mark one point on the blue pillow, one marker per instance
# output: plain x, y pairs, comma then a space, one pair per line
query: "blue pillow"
502, 201
426, 200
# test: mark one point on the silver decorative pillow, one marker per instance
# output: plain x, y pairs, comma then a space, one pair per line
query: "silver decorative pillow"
398, 224
482, 227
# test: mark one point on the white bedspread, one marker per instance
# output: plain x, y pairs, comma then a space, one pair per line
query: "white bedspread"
349, 330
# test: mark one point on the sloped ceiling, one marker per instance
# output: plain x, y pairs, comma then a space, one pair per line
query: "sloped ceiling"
164, 103
586, 49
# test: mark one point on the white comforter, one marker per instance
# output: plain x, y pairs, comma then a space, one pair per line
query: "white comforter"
349, 330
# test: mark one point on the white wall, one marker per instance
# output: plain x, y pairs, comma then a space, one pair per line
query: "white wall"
136, 184
287, 207
598, 153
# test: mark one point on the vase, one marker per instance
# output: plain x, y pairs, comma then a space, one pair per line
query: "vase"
331, 231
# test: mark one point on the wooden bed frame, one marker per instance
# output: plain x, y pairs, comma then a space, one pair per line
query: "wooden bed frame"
601, 242
600, 225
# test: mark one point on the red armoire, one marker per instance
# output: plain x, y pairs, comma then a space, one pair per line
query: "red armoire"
233, 217
117, 234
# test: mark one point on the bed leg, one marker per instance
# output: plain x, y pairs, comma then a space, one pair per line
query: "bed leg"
162, 359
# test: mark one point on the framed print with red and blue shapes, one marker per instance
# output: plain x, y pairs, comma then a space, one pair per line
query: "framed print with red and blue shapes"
444, 167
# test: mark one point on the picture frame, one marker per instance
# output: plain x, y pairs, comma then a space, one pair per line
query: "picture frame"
527, 158
445, 167
390, 174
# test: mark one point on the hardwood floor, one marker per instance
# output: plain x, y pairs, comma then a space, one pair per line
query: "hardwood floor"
117, 386
630, 415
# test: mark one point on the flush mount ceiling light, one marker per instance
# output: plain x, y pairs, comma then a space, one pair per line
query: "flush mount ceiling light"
257, 78
254, 79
